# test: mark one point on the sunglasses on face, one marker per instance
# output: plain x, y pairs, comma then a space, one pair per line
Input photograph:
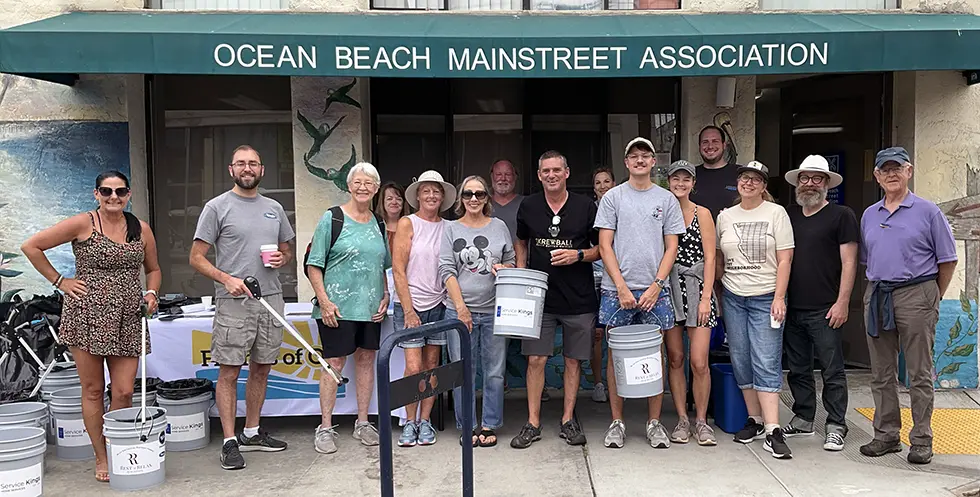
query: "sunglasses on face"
105, 191
468, 194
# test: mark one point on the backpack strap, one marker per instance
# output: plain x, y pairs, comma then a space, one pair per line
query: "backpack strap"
382, 226
337, 216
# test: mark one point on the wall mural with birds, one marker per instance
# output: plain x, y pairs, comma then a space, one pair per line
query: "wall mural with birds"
320, 134
328, 139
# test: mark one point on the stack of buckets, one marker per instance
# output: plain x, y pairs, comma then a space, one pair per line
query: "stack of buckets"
26, 430
519, 305
23, 428
637, 360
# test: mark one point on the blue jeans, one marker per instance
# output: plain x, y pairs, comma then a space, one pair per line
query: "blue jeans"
437, 313
756, 348
491, 351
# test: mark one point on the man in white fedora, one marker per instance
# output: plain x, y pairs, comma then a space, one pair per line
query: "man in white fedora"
819, 293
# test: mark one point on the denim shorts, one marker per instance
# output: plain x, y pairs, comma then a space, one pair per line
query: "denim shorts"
611, 315
437, 313
756, 348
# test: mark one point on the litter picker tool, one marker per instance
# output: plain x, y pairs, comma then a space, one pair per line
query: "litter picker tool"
253, 286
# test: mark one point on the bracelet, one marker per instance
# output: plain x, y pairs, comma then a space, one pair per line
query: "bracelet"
154, 292
58, 281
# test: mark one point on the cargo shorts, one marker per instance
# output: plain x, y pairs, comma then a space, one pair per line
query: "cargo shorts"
243, 330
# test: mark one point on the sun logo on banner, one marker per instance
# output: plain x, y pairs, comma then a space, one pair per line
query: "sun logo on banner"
295, 375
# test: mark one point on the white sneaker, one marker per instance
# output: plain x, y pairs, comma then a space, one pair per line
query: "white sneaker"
599, 393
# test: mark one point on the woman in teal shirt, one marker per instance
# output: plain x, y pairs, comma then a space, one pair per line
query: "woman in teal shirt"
352, 292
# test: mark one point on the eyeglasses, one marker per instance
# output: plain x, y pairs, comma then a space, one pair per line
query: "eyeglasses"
636, 157
105, 191
886, 171
755, 180
362, 183
816, 180
479, 194
250, 164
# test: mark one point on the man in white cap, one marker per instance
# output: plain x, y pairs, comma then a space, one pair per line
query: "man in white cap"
639, 225
820, 284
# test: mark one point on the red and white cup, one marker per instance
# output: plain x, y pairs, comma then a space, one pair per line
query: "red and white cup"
267, 251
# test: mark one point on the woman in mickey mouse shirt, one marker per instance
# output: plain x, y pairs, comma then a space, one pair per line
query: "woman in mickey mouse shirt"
473, 248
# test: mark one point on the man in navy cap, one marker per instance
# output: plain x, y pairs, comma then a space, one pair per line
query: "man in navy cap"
910, 254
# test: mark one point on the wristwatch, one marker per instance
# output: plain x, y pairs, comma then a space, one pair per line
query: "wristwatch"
581, 255
661, 283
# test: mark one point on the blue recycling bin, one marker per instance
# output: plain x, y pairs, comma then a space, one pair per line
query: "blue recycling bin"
729, 412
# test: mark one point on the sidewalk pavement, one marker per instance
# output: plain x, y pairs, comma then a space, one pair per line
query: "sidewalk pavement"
552, 468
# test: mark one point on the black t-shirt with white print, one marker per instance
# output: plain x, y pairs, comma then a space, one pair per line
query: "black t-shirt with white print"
571, 289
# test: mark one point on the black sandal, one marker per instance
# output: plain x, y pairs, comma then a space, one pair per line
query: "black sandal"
476, 441
485, 433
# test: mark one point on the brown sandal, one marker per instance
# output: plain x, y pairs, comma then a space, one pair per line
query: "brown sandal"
102, 476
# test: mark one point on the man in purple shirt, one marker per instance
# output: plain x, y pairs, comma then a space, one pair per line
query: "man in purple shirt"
910, 254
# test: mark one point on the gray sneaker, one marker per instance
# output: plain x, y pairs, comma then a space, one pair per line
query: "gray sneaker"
410, 435
325, 440
366, 433
427, 433
704, 433
615, 435
657, 435
681, 431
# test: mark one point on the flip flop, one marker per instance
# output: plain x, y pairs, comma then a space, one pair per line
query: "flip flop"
476, 441
102, 476
484, 434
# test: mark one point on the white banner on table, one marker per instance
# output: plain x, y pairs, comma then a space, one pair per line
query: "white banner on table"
182, 349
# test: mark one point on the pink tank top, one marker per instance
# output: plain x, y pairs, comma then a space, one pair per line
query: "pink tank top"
423, 264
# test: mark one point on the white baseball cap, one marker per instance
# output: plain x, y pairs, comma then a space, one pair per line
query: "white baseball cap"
641, 142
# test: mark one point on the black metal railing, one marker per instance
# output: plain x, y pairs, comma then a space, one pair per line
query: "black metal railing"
515, 5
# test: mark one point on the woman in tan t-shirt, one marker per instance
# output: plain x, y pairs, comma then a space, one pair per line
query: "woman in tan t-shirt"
755, 243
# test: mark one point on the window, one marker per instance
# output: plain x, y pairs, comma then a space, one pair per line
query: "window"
219, 4
199, 121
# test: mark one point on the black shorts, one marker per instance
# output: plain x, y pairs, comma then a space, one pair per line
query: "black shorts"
348, 336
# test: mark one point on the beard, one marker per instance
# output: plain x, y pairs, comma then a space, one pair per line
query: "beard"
811, 197
248, 183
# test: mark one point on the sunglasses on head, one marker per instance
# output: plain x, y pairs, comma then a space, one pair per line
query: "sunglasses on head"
105, 191
468, 194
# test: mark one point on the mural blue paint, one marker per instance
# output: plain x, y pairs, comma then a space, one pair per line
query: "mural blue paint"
956, 344
47, 173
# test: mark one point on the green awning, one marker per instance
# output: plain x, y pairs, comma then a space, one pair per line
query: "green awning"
488, 45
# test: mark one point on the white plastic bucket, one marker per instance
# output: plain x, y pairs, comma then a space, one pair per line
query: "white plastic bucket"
24, 414
22, 461
63, 376
519, 305
188, 423
638, 361
71, 437
137, 451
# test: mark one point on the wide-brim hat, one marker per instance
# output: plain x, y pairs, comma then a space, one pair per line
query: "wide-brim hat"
430, 176
814, 164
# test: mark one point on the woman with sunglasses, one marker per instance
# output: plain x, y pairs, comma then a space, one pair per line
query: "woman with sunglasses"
100, 318
473, 248
755, 241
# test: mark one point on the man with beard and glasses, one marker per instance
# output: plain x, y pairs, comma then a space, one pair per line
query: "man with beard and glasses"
238, 223
820, 284
717, 180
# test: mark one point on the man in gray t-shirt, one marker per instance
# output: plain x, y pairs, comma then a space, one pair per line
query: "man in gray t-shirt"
639, 225
505, 201
237, 224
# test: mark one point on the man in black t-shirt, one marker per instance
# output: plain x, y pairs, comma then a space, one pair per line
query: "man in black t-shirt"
717, 179
820, 284
555, 234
